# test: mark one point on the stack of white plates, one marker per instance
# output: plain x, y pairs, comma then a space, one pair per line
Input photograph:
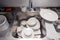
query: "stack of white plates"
33, 23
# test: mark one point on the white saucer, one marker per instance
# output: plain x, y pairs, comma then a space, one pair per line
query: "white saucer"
48, 14
27, 31
37, 25
19, 30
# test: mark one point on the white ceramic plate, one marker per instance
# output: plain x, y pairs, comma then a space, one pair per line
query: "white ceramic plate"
37, 25
48, 14
27, 31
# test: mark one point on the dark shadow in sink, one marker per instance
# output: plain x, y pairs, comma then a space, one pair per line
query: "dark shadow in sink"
57, 30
